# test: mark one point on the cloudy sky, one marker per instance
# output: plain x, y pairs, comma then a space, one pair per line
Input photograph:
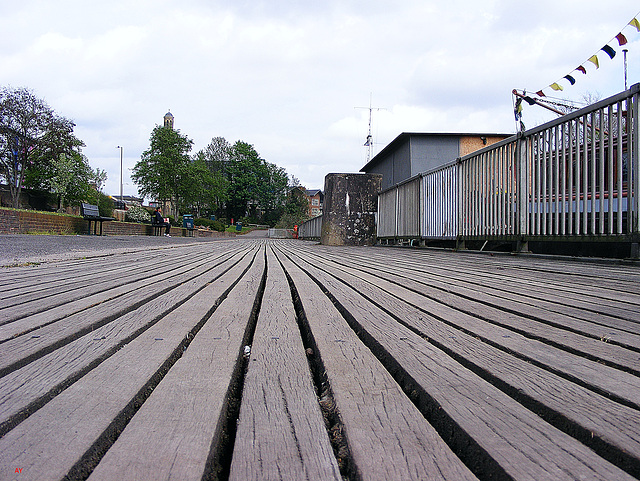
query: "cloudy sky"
295, 78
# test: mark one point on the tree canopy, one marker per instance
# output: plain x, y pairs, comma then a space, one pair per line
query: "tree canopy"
164, 169
256, 187
32, 140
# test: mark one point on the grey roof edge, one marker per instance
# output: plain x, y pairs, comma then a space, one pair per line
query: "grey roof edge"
406, 135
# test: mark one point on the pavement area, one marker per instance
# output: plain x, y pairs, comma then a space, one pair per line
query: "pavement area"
20, 249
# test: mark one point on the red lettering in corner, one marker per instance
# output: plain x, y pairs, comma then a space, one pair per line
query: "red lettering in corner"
18, 470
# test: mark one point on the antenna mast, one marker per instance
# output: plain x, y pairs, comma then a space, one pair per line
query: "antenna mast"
369, 143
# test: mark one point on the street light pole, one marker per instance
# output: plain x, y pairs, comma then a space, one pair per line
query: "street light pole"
121, 153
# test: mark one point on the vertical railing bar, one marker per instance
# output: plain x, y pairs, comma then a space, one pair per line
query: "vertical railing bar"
570, 188
563, 170
482, 201
610, 168
549, 193
534, 212
629, 137
470, 195
473, 193
592, 165
549, 199
556, 183
601, 163
619, 192
585, 173
494, 194
543, 181
577, 179
486, 208
467, 187
494, 205
512, 188
634, 164
501, 212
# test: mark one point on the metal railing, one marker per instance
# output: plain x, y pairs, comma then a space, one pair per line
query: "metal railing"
280, 233
311, 229
575, 178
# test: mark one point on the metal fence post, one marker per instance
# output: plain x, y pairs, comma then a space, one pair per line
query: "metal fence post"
522, 192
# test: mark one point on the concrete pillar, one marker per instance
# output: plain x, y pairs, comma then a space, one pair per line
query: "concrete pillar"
350, 208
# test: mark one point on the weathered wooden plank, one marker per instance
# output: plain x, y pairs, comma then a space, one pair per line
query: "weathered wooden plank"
540, 323
28, 304
388, 437
63, 276
603, 421
68, 435
27, 339
608, 379
45, 376
521, 444
616, 300
173, 433
281, 432
620, 314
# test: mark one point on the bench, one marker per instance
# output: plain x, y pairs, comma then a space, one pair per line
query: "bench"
91, 214
156, 228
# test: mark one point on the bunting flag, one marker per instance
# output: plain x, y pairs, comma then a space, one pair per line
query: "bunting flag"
608, 49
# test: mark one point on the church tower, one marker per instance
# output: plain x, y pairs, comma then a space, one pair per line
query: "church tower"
168, 120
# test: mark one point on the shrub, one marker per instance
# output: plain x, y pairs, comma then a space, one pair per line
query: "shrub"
137, 213
104, 202
218, 226
211, 224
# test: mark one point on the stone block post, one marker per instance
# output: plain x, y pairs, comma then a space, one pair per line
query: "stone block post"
350, 208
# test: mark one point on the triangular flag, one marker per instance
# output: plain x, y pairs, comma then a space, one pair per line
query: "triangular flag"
622, 40
609, 51
570, 79
540, 93
582, 69
556, 86
594, 60
635, 23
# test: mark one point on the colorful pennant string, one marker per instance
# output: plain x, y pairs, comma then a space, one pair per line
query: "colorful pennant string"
608, 49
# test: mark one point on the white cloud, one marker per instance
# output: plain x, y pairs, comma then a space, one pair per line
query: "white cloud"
286, 76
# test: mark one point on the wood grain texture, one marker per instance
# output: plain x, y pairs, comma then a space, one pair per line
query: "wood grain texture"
416, 363
380, 422
175, 428
281, 432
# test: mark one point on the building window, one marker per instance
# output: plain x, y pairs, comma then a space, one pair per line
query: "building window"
315, 202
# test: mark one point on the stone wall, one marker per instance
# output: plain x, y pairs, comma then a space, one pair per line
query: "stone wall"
34, 222
350, 208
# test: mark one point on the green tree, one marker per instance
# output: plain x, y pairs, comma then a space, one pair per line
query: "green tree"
215, 158
32, 138
206, 189
256, 187
163, 170
217, 155
296, 209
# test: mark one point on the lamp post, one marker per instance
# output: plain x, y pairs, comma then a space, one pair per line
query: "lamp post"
121, 153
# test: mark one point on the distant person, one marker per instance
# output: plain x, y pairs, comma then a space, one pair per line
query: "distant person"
159, 220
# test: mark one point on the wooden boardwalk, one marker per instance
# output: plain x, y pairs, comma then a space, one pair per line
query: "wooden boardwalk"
260, 360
